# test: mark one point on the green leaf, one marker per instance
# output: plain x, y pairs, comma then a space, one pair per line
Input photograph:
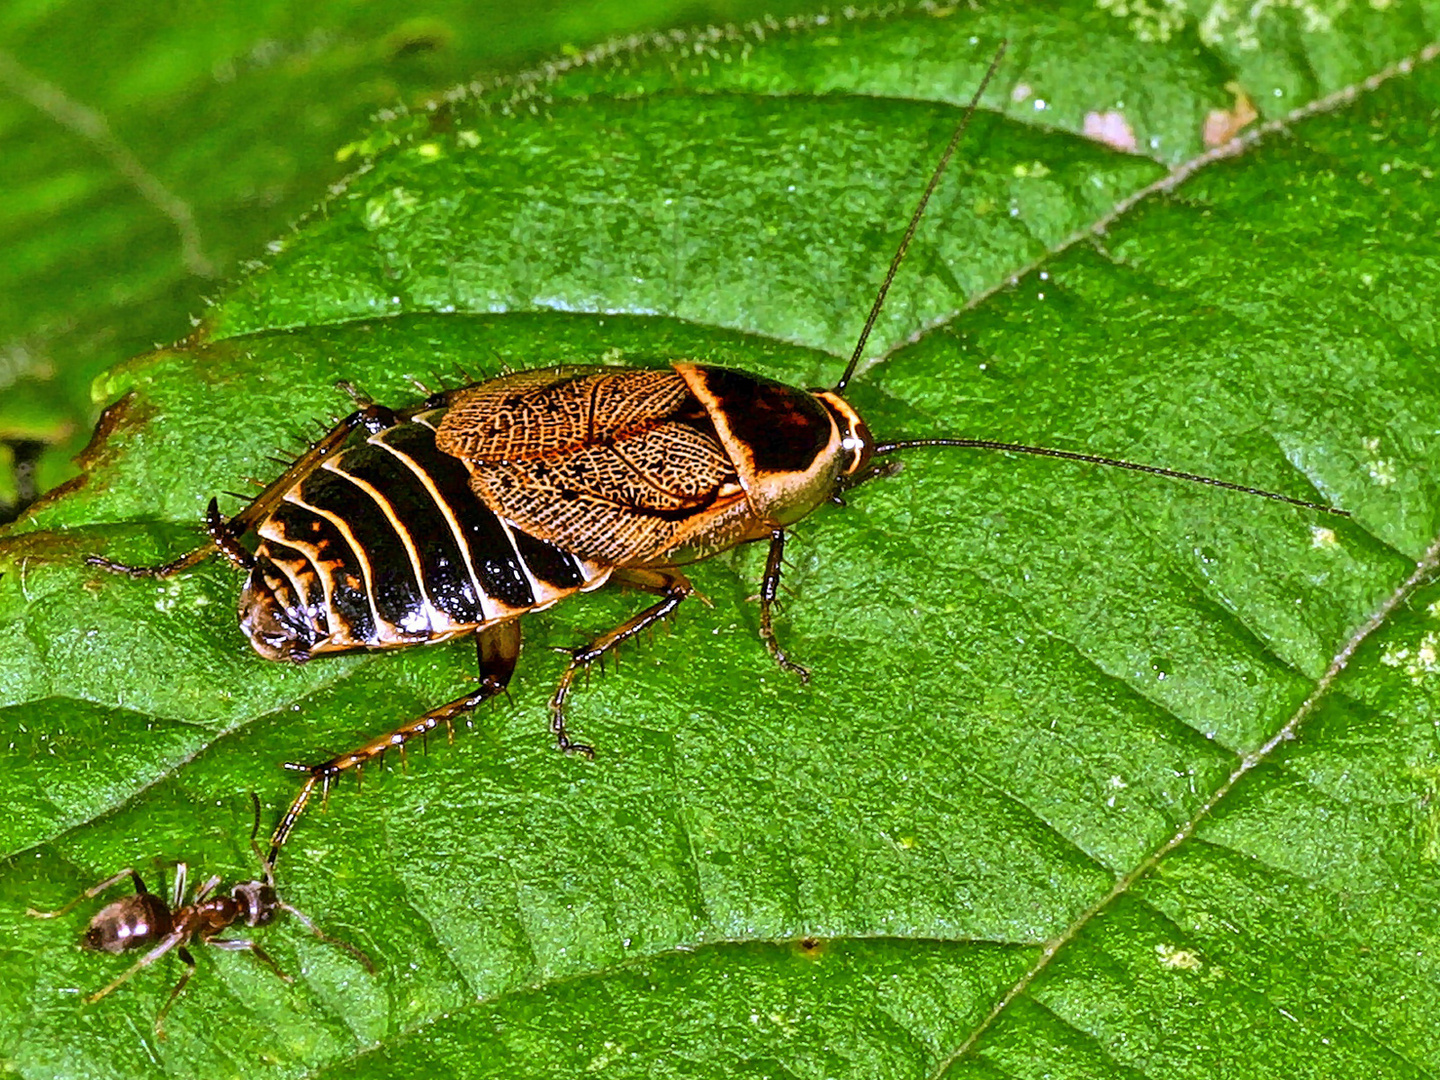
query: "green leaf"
1097, 774
149, 154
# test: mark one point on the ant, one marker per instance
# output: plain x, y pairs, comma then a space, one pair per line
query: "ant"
145, 920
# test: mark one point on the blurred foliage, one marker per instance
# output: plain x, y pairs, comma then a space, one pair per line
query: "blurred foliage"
149, 151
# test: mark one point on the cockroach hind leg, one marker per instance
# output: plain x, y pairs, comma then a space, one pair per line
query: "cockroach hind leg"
497, 647
163, 570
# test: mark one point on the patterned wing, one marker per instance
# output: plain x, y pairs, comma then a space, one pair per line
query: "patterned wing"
610, 464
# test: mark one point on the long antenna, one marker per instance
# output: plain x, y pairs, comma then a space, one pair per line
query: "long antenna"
1092, 459
915, 218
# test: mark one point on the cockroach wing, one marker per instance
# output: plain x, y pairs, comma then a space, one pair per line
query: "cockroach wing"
613, 465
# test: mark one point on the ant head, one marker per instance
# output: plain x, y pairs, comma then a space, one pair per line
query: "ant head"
258, 902
129, 923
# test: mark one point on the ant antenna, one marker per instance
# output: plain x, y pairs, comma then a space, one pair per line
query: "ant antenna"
267, 866
915, 218
1093, 459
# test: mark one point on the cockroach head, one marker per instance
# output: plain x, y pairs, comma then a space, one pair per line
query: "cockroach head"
272, 617
856, 442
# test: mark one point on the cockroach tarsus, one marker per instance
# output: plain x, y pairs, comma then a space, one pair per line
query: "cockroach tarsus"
459, 515
144, 920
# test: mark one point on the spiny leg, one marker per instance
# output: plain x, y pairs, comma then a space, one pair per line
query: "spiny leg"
225, 535
498, 648
91, 893
669, 584
769, 589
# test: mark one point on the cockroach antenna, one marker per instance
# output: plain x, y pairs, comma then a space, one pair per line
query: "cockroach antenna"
904, 247
882, 448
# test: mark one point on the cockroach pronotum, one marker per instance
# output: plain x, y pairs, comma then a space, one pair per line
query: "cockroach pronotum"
145, 921
481, 504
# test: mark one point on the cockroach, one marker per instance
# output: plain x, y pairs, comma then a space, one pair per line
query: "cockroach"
144, 921
481, 504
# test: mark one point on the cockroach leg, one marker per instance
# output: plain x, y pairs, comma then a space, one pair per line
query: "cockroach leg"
769, 589
498, 648
225, 535
164, 570
670, 585
225, 539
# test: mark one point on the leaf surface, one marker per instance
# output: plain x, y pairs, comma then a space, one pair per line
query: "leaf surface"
1097, 773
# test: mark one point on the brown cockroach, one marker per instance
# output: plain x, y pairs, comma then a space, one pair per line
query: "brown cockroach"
479, 505
144, 920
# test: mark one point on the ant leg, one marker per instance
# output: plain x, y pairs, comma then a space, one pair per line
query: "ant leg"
170, 941
246, 945
669, 584
91, 893
498, 648
769, 588
304, 921
225, 535
177, 891
189, 960
205, 891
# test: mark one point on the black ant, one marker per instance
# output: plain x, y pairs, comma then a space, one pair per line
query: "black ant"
145, 920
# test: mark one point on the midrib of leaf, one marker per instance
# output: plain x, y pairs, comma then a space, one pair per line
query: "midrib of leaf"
1424, 571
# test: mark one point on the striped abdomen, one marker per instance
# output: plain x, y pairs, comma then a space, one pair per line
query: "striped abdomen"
384, 544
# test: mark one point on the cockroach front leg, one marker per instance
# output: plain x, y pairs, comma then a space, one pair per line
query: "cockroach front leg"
670, 585
498, 647
769, 589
